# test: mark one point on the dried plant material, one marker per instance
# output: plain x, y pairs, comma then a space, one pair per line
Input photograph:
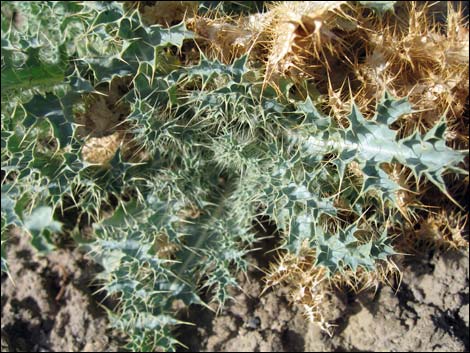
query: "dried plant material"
104, 128
101, 150
308, 286
167, 13
457, 35
300, 31
191, 212
302, 40
172, 163
165, 248
410, 55
283, 37
350, 54
311, 287
104, 111
99, 118
406, 199
228, 38
443, 230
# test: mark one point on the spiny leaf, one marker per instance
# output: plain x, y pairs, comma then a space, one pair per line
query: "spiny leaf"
40, 224
380, 7
338, 252
372, 143
57, 111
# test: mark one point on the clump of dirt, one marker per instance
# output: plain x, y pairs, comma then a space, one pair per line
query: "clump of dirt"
429, 312
50, 307
47, 305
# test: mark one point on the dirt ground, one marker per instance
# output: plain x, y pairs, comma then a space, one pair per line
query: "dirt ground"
429, 312
50, 307
48, 304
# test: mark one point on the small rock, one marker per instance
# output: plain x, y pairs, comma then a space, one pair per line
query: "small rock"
463, 313
253, 322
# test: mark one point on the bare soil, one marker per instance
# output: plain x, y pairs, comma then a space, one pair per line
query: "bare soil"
48, 305
429, 312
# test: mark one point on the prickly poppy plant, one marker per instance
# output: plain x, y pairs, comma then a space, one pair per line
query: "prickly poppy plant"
168, 150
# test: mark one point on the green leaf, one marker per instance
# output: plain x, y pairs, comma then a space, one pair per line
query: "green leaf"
207, 69
125, 215
173, 36
380, 7
30, 77
340, 251
41, 225
8, 202
301, 233
372, 143
40, 219
148, 321
57, 111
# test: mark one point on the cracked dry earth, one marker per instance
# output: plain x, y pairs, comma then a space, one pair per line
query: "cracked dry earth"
50, 307
47, 305
429, 312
